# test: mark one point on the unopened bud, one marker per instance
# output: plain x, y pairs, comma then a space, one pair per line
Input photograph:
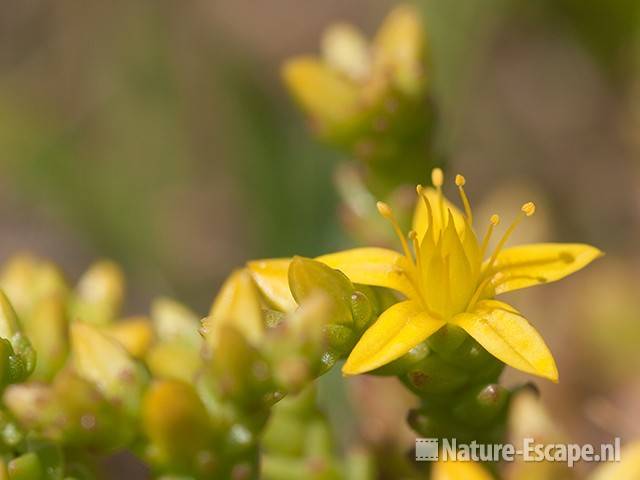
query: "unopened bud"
99, 294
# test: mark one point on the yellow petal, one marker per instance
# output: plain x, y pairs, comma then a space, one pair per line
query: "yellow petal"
237, 304
321, 91
272, 278
461, 470
421, 219
399, 49
370, 266
397, 330
507, 335
345, 49
528, 265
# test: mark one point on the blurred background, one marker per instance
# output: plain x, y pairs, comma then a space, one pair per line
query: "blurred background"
159, 134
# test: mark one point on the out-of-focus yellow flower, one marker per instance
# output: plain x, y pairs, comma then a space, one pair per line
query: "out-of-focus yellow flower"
459, 470
354, 79
627, 467
445, 280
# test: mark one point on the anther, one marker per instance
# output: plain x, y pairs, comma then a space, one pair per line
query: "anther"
437, 177
460, 181
529, 208
495, 219
384, 210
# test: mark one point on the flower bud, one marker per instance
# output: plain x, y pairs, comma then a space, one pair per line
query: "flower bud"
27, 280
173, 322
176, 423
238, 369
173, 361
296, 345
237, 305
47, 331
19, 358
134, 334
99, 294
107, 365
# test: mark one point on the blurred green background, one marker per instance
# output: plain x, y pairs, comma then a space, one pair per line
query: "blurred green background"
159, 134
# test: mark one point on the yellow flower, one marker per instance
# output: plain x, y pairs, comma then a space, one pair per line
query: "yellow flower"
448, 277
342, 87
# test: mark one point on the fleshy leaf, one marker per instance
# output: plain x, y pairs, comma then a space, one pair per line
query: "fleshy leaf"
508, 336
272, 278
527, 265
400, 328
370, 266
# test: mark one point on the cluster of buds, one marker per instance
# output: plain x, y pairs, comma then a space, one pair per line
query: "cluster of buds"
190, 398
370, 98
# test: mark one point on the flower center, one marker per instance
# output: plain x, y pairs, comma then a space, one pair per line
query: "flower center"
444, 262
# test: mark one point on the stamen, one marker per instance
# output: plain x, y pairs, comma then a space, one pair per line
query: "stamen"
527, 209
460, 182
386, 212
493, 221
476, 295
437, 178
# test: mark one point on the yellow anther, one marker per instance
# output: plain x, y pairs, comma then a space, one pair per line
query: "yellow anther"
529, 208
419, 190
495, 219
384, 209
437, 177
460, 180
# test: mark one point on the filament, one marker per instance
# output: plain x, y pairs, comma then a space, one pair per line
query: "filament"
527, 210
460, 182
493, 222
386, 212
